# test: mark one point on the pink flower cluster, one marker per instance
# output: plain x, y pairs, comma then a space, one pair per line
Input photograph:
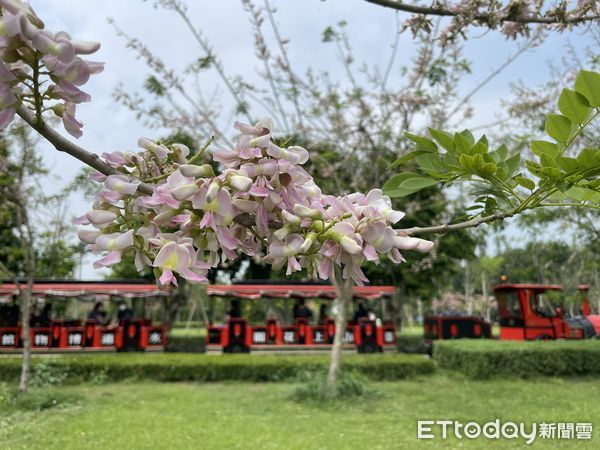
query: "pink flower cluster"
192, 220
37, 67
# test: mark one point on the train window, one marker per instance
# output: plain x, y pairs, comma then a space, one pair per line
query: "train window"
508, 304
541, 304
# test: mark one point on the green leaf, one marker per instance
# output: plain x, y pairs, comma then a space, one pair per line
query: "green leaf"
408, 157
547, 161
568, 164
487, 170
540, 148
551, 172
534, 168
578, 193
427, 162
423, 143
445, 139
588, 84
406, 183
589, 158
462, 144
525, 182
467, 134
480, 147
558, 127
500, 153
512, 164
467, 162
573, 105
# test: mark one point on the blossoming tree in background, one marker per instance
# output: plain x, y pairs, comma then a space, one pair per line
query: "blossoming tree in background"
183, 217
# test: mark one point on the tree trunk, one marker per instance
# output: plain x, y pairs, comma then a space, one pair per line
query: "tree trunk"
343, 290
202, 295
178, 298
486, 300
25, 335
468, 299
26, 297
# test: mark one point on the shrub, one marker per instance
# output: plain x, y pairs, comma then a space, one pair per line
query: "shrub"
49, 372
411, 343
313, 387
195, 367
489, 358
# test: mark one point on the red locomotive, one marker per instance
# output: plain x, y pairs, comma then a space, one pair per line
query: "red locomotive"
526, 312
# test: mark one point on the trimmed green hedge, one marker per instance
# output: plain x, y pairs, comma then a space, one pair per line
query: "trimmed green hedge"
197, 344
186, 344
492, 358
193, 367
411, 344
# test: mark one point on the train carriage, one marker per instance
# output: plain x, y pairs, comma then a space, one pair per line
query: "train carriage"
77, 334
239, 335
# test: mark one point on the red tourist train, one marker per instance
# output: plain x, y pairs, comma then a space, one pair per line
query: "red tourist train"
526, 312
237, 335
67, 335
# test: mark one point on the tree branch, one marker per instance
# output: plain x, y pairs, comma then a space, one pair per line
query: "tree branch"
457, 226
482, 18
62, 144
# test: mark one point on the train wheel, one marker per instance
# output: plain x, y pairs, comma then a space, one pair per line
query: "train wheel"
543, 337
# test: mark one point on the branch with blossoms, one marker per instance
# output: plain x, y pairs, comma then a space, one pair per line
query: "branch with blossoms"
41, 70
182, 218
187, 225
513, 17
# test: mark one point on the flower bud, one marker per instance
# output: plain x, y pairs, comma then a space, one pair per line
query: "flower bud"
212, 192
164, 217
281, 233
308, 242
411, 243
240, 182
290, 218
88, 236
350, 245
101, 216
190, 170
184, 191
306, 212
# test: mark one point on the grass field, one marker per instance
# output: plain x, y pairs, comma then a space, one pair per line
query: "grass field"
231, 415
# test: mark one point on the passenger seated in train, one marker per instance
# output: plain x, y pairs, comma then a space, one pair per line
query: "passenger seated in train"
98, 314
360, 313
301, 311
44, 318
124, 312
234, 311
9, 313
323, 315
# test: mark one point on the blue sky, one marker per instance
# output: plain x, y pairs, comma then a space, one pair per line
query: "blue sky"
110, 127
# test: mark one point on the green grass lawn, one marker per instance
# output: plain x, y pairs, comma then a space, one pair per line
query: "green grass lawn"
232, 415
